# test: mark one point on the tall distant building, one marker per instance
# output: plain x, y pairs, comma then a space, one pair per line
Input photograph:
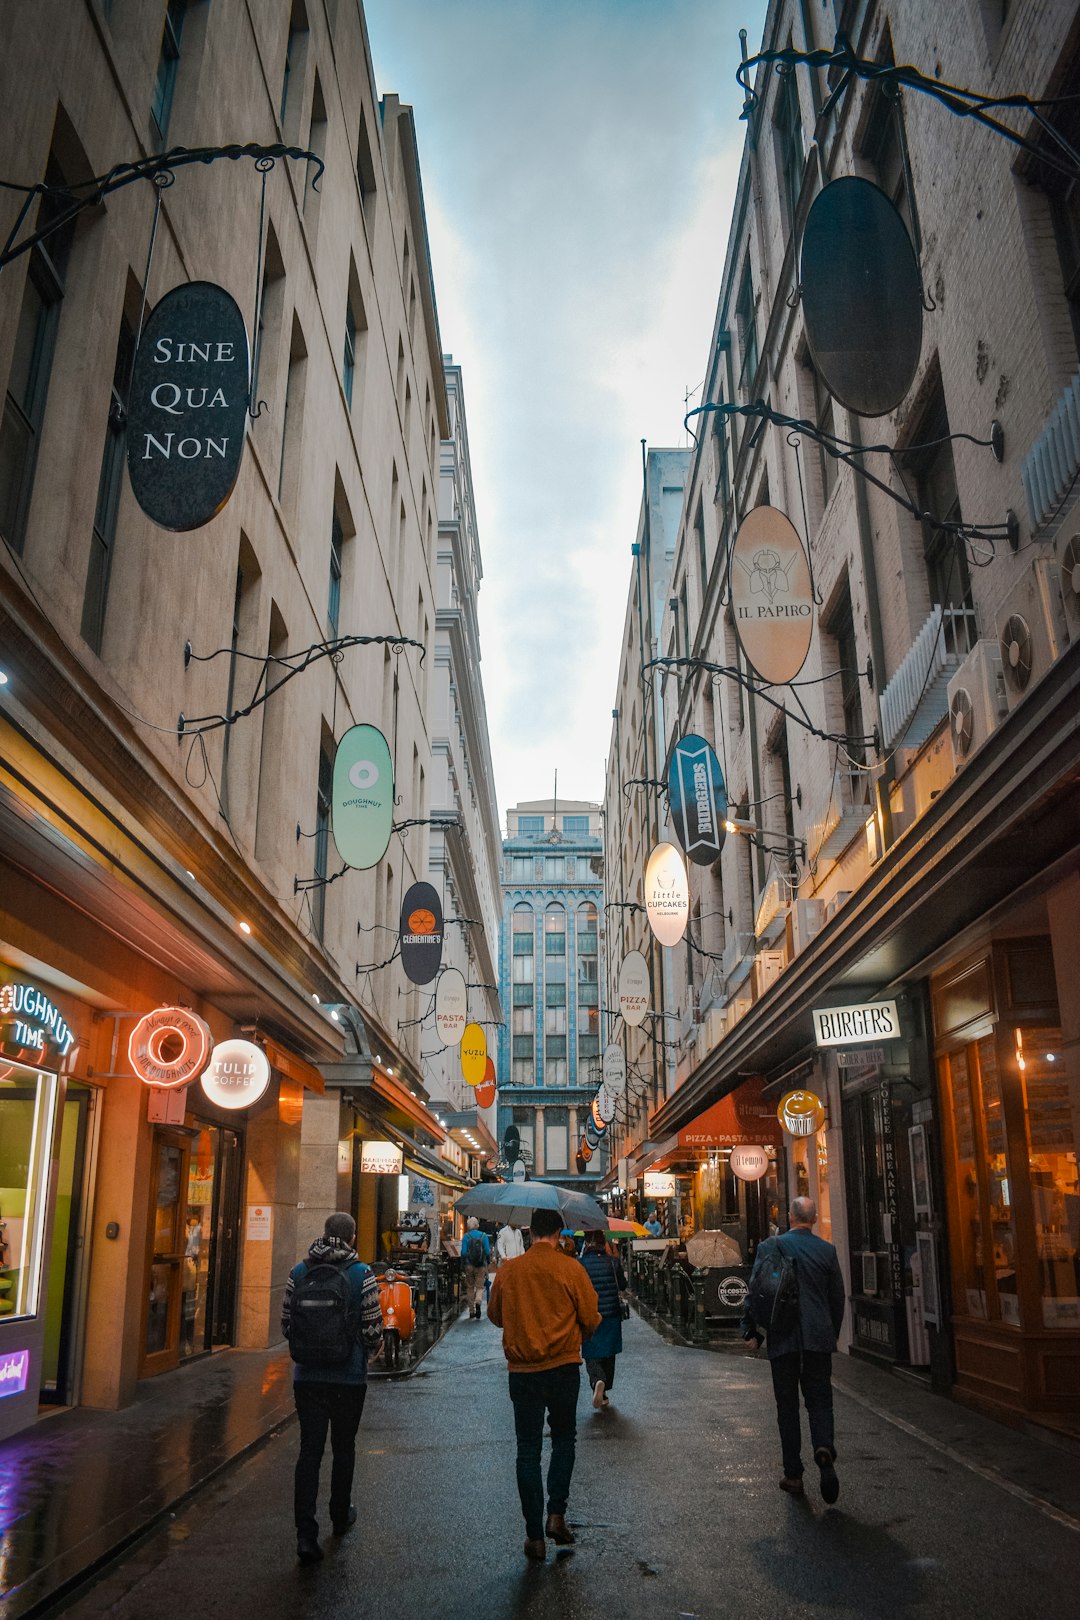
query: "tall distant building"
549, 978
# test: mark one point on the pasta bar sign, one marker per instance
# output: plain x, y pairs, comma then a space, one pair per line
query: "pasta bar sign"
839, 1026
188, 409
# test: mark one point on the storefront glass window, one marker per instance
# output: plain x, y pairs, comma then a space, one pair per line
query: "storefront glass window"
998, 1185
970, 1233
27, 1103
1052, 1158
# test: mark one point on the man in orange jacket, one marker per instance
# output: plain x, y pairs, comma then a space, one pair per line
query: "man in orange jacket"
545, 1305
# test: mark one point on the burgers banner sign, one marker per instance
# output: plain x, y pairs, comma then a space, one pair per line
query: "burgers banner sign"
421, 933
698, 799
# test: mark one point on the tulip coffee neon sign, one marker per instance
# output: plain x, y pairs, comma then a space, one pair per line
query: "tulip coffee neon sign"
31, 1024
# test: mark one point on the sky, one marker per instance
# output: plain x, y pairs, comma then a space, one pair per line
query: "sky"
579, 161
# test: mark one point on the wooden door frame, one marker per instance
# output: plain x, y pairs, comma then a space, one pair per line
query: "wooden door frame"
165, 1360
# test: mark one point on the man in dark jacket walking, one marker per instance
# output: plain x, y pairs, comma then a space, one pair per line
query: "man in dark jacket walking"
330, 1396
803, 1353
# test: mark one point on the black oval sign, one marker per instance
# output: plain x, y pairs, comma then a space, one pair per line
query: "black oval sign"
189, 400
698, 799
861, 296
421, 933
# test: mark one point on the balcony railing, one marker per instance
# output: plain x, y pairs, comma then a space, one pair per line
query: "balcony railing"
916, 699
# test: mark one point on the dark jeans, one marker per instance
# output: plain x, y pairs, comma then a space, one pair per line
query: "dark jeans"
813, 1370
336, 1407
533, 1394
604, 1370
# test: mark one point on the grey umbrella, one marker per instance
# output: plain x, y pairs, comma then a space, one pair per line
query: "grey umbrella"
514, 1201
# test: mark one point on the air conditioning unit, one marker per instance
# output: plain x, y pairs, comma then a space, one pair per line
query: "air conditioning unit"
772, 911
1068, 562
805, 921
712, 1030
1032, 631
840, 898
737, 1008
767, 968
977, 700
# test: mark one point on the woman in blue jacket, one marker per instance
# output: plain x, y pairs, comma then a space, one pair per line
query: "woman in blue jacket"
599, 1352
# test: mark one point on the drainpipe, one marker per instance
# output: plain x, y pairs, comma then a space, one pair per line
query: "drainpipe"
877, 643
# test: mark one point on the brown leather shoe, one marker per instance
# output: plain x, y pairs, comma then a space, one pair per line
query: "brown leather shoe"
794, 1487
559, 1531
535, 1549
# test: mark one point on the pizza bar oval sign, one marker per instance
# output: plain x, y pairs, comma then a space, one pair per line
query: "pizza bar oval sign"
189, 400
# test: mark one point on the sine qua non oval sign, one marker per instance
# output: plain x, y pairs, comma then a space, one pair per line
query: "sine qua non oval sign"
421, 933
667, 894
772, 596
698, 799
861, 296
451, 1000
188, 406
362, 796
614, 1070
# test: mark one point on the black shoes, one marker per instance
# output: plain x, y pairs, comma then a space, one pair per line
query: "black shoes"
794, 1487
559, 1531
536, 1549
308, 1550
830, 1485
347, 1523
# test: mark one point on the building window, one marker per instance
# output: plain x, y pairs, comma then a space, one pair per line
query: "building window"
523, 1021
789, 142
521, 1073
883, 143
555, 1017
348, 368
554, 868
530, 826
31, 365
27, 1110
576, 825
292, 416
333, 603
365, 167
747, 329
322, 837
555, 931
168, 65
523, 1046
930, 477
524, 972
556, 1146
110, 483
291, 80
523, 995
825, 421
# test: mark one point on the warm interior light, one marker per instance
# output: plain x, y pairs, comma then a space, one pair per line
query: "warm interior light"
191, 875
315, 999
3, 677
1051, 1057
244, 927
389, 1071
335, 1016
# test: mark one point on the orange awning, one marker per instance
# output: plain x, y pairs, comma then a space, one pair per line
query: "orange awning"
292, 1066
744, 1115
400, 1098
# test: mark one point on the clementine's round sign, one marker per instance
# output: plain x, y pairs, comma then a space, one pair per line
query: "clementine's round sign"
451, 1000
169, 1046
473, 1054
633, 988
801, 1113
772, 596
421, 933
667, 894
749, 1163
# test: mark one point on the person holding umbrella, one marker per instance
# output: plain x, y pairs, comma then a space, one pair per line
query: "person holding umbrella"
608, 1278
545, 1305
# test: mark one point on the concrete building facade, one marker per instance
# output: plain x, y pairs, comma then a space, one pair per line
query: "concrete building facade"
900, 843
150, 864
550, 974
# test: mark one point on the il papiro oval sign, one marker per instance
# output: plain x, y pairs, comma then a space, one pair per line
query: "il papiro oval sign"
633, 988
772, 597
749, 1163
698, 799
451, 1000
613, 1070
237, 1075
421, 933
667, 894
188, 406
473, 1054
362, 796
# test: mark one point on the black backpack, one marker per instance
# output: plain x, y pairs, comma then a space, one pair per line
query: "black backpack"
324, 1316
773, 1299
474, 1250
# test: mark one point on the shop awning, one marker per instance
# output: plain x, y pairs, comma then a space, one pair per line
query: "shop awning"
292, 1066
744, 1115
445, 1174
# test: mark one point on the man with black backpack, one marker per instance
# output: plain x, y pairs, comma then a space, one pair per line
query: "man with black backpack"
796, 1297
331, 1317
475, 1259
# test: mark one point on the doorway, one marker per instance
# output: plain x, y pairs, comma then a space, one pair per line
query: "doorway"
65, 1299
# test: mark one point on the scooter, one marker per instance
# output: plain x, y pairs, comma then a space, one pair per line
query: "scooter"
398, 1314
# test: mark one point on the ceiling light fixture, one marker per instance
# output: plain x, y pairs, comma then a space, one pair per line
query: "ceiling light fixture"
244, 927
